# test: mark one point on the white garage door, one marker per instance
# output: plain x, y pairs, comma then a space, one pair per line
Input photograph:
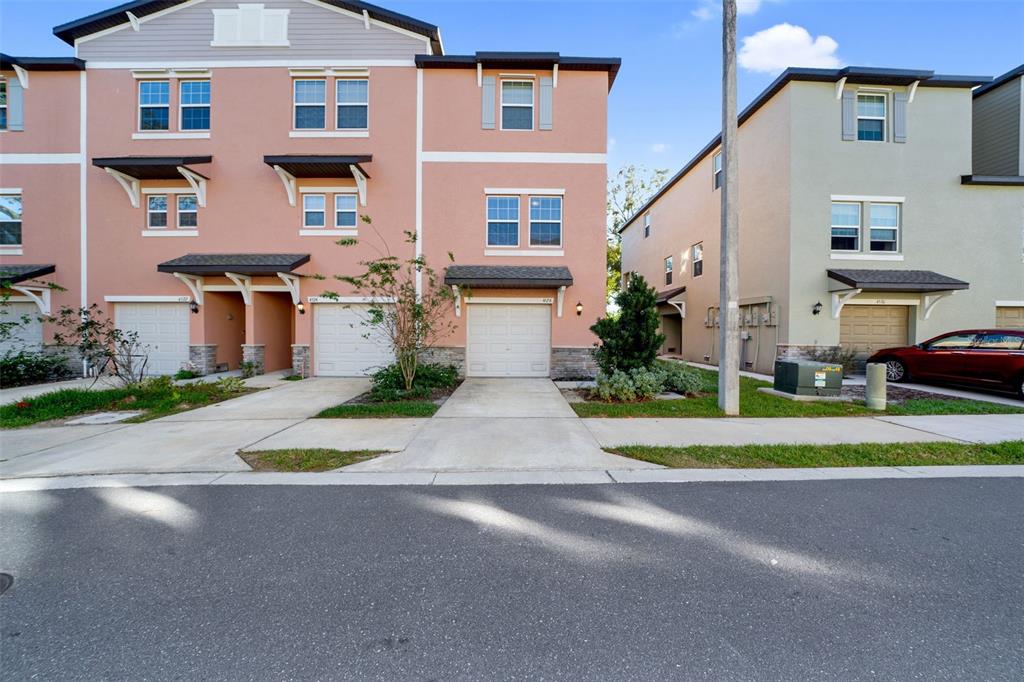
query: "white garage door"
22, 329
508, 340
344, 345
162, 329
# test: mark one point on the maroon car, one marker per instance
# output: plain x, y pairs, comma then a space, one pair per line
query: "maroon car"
985, 358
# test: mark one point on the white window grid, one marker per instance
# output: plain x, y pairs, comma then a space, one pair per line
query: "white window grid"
314, 211
521, 105
842, 226
345, 211
547, 219
156, 211
296, 105
188, 211
506, 211
183, 106
154, 105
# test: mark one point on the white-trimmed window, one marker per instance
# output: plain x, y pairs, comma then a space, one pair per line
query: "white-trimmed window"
353, 100
884, 227
188, 211
154, 105
156, 211
716, 170
845, 230
345, 210
503, 221
871, 111
194, 102
310, 99
668, 270
698, 259
647, 225
517, 105
3, 104
545, 221
314, 210
10, 220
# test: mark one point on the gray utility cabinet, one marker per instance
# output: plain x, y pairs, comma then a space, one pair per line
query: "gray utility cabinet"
801, 377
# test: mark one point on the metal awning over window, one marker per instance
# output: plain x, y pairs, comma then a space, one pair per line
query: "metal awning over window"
508, 276
130, 171
240, 268
932, 287
291, 166
14, 277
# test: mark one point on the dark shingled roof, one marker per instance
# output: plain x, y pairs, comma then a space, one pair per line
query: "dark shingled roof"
665, 296
41, 63
1000, 80
13, 274
240, 263
897, 280
319, 165
151, 167
508, 276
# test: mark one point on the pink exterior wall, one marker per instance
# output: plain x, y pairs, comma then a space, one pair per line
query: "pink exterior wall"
51, 115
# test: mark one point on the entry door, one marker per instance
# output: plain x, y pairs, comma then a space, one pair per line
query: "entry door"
162, 329
508, 340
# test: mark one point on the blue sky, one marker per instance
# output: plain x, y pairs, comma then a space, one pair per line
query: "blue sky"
665, 104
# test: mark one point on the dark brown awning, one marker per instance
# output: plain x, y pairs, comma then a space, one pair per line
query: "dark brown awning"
14, 274
320, 165
666, 296
508, 276
238, 263
151, 167
918, 281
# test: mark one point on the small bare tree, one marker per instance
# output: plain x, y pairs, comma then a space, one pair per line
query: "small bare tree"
108, 350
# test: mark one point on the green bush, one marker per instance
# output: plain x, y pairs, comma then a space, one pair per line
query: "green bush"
681, 379
389, 385
631, 339
644, 384
32, 367
185, 374
248, 369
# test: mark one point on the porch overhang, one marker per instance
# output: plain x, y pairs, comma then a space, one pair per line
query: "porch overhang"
248, 264
290, 167
932, 287
130, 171
508, 276
676, 298
16, 278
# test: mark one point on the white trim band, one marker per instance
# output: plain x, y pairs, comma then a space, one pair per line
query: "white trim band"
524, 190
170, 232
28, 159
171, 136
856, 197
516, 157
147, 299
866, 256
524, 252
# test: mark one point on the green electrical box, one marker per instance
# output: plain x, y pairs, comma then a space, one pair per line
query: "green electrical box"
801, 377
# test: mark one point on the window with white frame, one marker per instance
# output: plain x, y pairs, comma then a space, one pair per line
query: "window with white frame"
871, 108
516, 105
345, 210
310, 99
716, 170
188, 211
353, 99
502, 221
884, 227
314, 210
194, 102
668, 270
647, 225
3, 104
154, 105
156, 211
697, 251
10, 220
845, 229
545, 221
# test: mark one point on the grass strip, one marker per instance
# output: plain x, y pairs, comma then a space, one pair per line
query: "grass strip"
386, 410
305, 459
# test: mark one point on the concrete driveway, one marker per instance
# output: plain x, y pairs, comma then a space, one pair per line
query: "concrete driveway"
288, 400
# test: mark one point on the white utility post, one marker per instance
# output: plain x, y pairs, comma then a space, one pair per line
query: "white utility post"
728, 300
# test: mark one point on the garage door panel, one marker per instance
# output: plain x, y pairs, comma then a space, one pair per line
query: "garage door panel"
508, 340
162, 329
344, 344
26, 332
867, 328
1010, 317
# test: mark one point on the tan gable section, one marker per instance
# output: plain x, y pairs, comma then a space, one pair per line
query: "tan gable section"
289, 30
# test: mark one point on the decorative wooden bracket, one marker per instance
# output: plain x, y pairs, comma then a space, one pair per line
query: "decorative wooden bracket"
840, 84
839, 299
458, 300
134, 21
37, 294
928, 302
130, 185
194, 284
22, 75
912, 91
360, 183
197, 182
292, 282
289, 183
680, 306
560, 300
244, 284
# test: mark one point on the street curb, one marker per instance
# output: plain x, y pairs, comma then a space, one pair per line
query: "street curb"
459, 478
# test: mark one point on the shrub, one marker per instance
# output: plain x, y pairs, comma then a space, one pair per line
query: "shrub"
230, 385
681, 379
631, 339
389, 382
638, 384
185, 374
248, 369
32, 367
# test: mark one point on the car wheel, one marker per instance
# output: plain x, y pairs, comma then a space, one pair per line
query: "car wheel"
895, 371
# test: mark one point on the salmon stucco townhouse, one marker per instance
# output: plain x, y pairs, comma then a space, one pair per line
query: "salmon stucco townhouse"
196, 161
865, 219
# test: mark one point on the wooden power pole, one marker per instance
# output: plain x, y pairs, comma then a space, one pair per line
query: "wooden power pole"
728, 298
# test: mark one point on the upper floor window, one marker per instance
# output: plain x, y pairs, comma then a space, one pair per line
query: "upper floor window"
885, 227
344, 210
516, 105
845, 226
545, 221
314, 210
647, 225
502, 221
195, 105
188, 211
3, 104
10, 220
310, 98
156, 211
668, 270
154, 105
871, 117
353, 103
716, 170
698, 259
878, 221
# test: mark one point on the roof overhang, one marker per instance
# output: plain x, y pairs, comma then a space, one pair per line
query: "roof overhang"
522, 60
248, 264
15, 274
508, 276
996, 180
910, 281
7, 62
669, 295
151, 167
998, 81
320, 165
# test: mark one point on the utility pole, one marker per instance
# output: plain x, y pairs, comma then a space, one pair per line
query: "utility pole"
728, 303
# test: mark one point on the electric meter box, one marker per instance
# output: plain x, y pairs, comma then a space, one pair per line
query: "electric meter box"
801, 377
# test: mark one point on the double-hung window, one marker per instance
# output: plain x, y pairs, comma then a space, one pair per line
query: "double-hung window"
353, 103
871, 117
154, 105
502, 221
345, 210
10, 220
545, 221
647, 225
697, 257
3, 104
668, 270
314, 210
195, 105
716, 170
188, 211
156, 211
310, 98
516, 105
845, 226
884, 227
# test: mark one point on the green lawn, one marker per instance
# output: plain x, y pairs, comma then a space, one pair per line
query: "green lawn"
398, 408
312, 459
865, 454
756, 404
155, 398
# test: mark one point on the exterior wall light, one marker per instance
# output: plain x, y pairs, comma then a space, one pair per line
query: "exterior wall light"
816, 309
301, 308
579, 308
194, 307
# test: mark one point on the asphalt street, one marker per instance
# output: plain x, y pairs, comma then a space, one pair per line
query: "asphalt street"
848, 580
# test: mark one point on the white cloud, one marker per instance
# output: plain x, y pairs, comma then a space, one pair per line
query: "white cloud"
702, 13
747, 6
709, 9
659, 147
784, 45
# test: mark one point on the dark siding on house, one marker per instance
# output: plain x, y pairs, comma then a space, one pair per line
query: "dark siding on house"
997, 130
